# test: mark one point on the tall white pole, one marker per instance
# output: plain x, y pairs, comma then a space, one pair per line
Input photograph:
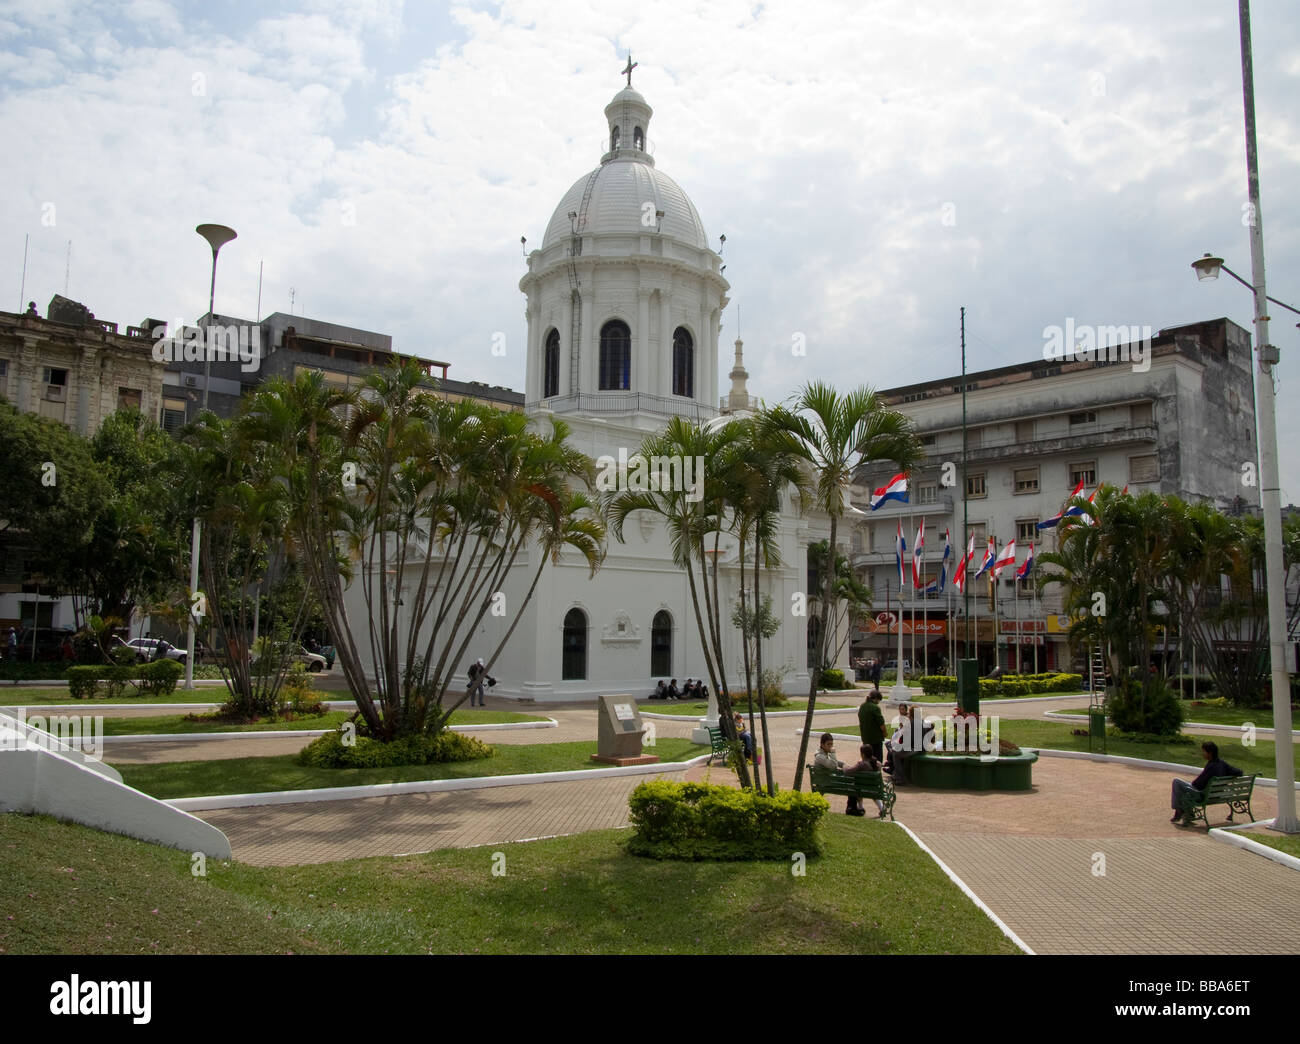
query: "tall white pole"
1270, 498
194, 586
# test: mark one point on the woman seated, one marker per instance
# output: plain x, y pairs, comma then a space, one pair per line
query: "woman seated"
746, 737
661, 691
867, 764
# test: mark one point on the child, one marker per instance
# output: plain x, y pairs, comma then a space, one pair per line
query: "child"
867, 764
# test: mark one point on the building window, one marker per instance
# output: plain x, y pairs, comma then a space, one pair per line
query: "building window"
173, 415
976, 486
1144, 469
814, 631
128, 399
551, 366
661, 645
4, 368
1141, 415
1026, 480
1083, 471
1025, 431
683, 363
1083, 417
638, 138
929, 440
613, 139
927, 492
54, 384
615, 356
574, 659
50, 375
1026, 530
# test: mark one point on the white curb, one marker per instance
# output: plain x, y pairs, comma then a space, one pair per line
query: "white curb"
423, 786
1229, 835
1260, 730
1002, 925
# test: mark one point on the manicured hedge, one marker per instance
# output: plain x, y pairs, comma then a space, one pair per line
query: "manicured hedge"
702, 821
833, 678
1014, 685
329, 751
149, 679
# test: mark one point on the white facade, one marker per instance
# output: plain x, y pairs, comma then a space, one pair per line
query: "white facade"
624, 301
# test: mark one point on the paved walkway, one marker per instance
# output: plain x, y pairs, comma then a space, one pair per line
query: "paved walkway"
1035, 858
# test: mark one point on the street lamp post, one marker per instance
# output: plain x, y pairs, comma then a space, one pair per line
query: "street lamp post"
1266, 420
217, 237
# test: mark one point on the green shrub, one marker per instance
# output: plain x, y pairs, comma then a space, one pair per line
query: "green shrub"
102, 681
297, 695
329, 751
30, 670
1159, 713
833, 678
701, 821
158, 678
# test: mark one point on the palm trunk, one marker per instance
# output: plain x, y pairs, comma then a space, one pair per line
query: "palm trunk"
815, 669
758, 662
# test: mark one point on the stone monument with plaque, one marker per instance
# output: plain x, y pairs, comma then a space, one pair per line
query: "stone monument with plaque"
618, 739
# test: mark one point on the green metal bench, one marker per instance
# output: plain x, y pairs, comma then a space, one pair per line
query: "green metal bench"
873, 786
1233, 791
720, 744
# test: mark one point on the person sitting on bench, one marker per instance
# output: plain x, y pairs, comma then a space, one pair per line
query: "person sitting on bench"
745, 736
867, 764
1181, 796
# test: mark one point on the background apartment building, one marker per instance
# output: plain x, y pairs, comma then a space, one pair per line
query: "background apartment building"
1184, 425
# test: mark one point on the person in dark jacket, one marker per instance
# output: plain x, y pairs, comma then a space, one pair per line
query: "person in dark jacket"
1181, 794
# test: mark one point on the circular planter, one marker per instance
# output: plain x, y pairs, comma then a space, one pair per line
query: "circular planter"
972, 772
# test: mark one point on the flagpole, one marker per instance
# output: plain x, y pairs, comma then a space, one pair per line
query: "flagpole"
911, 598
1033, 593
965, 507
1018, 636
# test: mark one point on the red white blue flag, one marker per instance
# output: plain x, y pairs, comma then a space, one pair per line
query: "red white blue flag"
1051, 522
943, 567
1025, 569
917, 552
959, 575
989, 555
901, 547
894, 489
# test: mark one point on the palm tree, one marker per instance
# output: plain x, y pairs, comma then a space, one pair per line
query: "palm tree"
836, 434
691, 523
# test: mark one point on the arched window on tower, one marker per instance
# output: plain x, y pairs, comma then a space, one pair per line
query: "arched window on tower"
638, 138
615, 356
551, 365
661, 645
683, 363
613, 139
573, 665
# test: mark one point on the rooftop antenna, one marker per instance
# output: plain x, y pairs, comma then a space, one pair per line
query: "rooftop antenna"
67, 270
257, 316
523, 246
293, 292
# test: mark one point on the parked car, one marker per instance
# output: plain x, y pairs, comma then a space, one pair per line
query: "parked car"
892, 665
149, 649
49, 642
299, 654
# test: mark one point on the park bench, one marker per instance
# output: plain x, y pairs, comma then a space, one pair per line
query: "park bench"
720, 744
1233, 791
873, 786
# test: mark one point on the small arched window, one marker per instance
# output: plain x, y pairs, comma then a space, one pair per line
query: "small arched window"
615, 356
683, 363
814, 634
573, 665
661, 645
638, 138
551, 365
613, 139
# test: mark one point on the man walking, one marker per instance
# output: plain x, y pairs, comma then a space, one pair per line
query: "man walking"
478, 676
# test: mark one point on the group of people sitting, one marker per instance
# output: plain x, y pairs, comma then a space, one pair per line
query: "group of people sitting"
825, 758
692, 690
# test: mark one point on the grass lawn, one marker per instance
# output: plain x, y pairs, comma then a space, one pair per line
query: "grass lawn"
73, 890
1211, 715
698, 710
1288, 843
172, 779
176, 723
1057, 736
31, 695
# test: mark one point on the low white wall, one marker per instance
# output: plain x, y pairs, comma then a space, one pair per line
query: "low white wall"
60, 782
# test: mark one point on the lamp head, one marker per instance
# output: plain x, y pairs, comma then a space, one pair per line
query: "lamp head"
1207, 267
216, 235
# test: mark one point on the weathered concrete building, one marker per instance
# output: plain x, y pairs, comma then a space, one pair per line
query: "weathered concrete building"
1172, 415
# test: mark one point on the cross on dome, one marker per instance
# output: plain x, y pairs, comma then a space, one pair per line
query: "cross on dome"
630, 66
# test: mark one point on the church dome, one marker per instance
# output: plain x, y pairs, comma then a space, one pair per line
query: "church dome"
617, 193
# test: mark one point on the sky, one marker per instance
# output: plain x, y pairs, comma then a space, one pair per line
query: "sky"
874, 167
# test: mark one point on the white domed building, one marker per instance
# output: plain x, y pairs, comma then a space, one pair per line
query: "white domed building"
624, 303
